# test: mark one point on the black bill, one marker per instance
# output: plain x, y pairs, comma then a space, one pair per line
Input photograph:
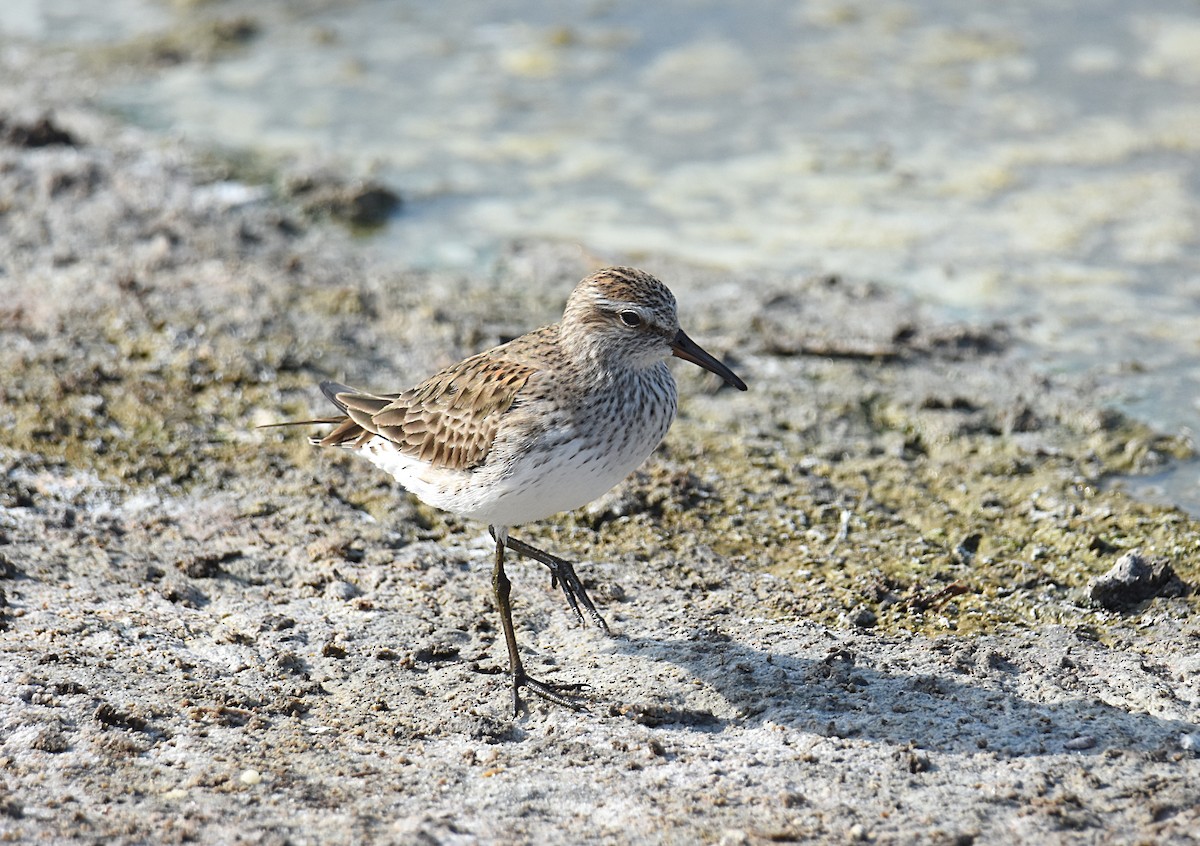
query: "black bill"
687, 349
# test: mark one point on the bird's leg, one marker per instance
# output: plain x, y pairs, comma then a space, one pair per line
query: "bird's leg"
516, 670
562, 573
502, 588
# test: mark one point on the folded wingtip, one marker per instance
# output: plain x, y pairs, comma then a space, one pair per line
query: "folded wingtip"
331, 390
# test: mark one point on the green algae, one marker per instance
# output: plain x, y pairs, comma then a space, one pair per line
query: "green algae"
969, 536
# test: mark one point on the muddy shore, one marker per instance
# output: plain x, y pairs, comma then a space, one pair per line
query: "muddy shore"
853, 604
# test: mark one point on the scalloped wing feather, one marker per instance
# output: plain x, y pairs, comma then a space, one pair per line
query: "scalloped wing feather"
450, 420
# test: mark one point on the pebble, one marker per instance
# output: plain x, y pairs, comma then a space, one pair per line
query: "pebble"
343, 590
1133, 579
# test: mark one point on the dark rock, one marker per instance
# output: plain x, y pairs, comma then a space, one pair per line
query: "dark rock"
1133, 579
967, 548
118, 718
41, 133
435, 650
358, 203
863, 618
206, 564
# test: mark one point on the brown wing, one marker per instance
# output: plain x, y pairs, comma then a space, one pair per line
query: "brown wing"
449, 420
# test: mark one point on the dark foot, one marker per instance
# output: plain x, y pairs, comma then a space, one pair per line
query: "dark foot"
562, 574
558, 693
573, 589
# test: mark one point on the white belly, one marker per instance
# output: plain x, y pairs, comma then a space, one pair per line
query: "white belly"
568, 465
546, 481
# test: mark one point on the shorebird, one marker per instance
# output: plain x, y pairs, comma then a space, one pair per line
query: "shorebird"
544, 423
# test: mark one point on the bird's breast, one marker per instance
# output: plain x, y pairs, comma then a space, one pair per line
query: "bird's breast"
580, 452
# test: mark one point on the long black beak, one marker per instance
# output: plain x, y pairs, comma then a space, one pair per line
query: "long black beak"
687, 349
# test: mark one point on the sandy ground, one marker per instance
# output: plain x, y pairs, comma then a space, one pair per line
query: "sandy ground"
851, 605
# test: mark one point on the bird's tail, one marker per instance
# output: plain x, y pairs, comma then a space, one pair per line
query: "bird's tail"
316, 422
348, 432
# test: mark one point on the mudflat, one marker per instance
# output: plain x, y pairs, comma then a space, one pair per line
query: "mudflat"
861, 602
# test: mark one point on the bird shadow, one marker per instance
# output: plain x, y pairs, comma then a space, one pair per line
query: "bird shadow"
970, 707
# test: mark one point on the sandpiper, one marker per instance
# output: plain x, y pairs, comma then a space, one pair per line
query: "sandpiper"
542, 424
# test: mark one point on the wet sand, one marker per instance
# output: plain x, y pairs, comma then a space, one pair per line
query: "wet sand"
849, 605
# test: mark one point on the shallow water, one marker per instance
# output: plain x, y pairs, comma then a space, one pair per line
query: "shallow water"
1027, 161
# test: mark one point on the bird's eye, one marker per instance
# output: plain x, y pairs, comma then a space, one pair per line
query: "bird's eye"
631, 319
